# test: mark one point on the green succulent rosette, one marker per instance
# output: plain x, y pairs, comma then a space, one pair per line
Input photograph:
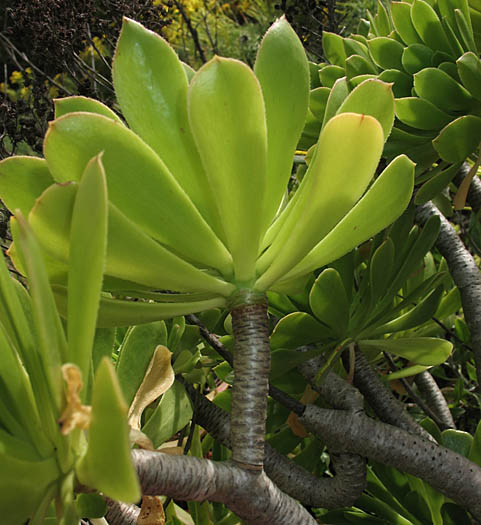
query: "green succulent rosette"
429, 51
197, 178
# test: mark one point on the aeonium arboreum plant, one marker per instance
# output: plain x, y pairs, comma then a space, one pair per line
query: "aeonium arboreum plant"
197, 185
196, 190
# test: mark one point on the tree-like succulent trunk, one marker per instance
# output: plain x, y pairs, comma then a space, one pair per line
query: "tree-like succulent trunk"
241, 483
251, 378
341, 490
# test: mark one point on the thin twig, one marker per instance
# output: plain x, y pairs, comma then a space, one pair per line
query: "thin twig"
24, 57
420, 402
192, 30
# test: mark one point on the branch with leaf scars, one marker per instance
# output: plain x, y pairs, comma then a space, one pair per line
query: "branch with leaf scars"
119, 513
342, 489
431, 392
465, 274
248, 493
427, 408
381, 400
451, 474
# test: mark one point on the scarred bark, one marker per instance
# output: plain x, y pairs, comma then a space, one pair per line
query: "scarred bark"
464, 272
330, 493
451, 474
434, 398
251, 378
241, 484
339, 393
382, 401
250, 494
119, 513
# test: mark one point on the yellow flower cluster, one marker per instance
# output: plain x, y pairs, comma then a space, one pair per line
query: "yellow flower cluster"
91, 50
16, 77
18, 87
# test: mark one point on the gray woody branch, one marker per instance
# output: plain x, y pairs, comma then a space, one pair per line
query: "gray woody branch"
341, 490
451, 474
250, 494
431, 392
121, 514
464, 272
350, 428
382, 401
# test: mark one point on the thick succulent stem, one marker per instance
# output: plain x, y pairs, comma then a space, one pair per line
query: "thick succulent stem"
381, 400
250, 494
251, 378
451, 474
465, 274
339, 491
434, 398
339, 393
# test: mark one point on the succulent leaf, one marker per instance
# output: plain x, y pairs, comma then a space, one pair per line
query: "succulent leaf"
154, 103
131, 254
459, 138
330, 190
74, 139
225, 100
22, 180
283, 72
88, 241
107, 464
386, 199
89, 105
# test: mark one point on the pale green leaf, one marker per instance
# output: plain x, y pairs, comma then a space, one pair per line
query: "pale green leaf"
350, 144
51, 341
79, 103
107, 465
137, 182
22, 180
131, 254
372, 97
88, 241
151, 87
381, 205
118, 312
225, 100
283, 72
